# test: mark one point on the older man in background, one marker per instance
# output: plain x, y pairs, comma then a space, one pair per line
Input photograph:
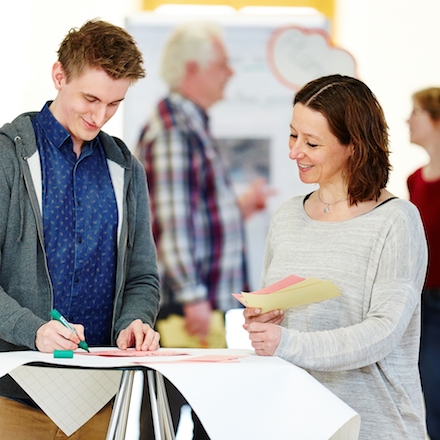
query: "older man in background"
198, 220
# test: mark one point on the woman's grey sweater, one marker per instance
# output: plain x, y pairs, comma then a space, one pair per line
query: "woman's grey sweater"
364, 345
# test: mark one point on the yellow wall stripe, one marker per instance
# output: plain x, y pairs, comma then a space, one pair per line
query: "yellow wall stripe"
326, 7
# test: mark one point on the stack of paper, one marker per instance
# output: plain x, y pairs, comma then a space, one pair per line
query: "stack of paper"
289, 292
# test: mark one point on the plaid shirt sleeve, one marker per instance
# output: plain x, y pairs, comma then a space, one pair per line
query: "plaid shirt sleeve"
171, 183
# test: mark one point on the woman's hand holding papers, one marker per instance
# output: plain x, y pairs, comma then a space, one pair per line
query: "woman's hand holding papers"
264, 337
252, 314
264, 330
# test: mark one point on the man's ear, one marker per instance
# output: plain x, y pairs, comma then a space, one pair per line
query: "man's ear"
58, 75
192, 67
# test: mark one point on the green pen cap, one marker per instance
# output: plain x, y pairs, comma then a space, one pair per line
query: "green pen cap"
63, 354
55, 314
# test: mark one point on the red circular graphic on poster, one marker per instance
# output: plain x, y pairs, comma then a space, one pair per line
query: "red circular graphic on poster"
297, 56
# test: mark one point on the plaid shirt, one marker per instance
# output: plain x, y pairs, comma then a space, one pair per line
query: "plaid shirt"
197, 224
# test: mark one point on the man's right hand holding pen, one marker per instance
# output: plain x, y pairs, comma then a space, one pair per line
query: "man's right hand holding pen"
55, 336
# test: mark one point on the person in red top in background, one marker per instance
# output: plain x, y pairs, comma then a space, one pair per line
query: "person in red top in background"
424, 190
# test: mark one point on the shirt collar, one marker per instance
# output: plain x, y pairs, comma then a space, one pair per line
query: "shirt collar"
191, 108
53, 130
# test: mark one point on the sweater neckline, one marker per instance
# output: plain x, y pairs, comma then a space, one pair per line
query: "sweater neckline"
306, 197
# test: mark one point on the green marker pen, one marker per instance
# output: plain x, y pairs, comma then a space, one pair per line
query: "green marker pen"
59, 317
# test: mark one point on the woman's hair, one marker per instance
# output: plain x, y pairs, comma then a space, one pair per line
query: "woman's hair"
429, 100
188, 42
357, 120
101, 45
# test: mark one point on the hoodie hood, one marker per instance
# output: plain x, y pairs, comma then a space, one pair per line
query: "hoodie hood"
21, 132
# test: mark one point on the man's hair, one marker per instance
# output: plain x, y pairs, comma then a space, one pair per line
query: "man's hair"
188, 42
101, 45
429, 100
357, 120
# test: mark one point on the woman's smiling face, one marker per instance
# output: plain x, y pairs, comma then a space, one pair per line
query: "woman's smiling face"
321, 158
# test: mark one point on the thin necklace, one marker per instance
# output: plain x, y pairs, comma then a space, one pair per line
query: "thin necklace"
326, 208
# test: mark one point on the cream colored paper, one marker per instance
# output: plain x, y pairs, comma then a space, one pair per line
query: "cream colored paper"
303, 292
70, 397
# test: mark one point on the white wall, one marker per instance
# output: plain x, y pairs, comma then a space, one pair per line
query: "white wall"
395, 43
30, 33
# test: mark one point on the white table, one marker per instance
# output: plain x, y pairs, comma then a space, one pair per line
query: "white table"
254, 397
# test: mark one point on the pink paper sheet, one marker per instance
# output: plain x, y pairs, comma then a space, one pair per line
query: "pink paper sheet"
131, 352
279, 285
212, 358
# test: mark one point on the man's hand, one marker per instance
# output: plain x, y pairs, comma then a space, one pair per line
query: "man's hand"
54, 336
138, 335
255, 197
198, 319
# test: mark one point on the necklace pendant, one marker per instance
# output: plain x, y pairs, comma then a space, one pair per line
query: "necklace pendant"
326, 210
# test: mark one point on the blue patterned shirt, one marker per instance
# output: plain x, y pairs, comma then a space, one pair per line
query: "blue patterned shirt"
80, 227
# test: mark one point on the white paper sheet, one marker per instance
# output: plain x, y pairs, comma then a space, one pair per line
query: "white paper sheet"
262, 398
255, 397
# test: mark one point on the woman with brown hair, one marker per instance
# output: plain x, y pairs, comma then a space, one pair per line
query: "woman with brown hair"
363, 346
424, 190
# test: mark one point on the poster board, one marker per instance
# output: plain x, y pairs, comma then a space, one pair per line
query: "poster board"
272, 56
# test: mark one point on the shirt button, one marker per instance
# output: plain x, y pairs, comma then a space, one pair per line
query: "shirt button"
80, 240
